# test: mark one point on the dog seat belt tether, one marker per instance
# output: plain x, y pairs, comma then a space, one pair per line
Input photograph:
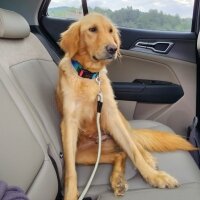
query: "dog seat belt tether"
99, 108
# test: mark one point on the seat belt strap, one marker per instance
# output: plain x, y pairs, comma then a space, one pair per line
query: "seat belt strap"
59, 194
194, 138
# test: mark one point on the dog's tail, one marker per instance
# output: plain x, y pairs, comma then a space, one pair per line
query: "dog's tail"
160, 141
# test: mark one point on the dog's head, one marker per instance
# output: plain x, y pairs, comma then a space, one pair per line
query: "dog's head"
94, 37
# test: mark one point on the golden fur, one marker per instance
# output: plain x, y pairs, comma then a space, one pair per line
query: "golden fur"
86, 41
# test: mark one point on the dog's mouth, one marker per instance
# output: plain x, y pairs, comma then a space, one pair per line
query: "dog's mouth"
107, 58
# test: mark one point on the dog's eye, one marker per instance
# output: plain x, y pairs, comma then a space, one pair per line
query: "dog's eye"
110, 30
93, 29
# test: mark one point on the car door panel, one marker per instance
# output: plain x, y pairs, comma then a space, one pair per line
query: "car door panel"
130, 37
139, 65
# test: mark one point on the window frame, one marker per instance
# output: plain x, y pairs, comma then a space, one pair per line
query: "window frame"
195, 25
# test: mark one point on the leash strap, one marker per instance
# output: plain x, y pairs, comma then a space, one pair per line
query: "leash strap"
85, 7
99, 101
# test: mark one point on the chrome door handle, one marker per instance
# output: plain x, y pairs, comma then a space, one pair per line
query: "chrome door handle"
165, 46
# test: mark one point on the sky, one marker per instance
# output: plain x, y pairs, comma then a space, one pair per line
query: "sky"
183, 8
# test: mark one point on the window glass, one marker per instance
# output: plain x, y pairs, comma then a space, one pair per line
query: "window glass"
65, 9
163, 15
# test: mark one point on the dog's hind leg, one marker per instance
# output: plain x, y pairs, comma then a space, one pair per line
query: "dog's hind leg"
117, 179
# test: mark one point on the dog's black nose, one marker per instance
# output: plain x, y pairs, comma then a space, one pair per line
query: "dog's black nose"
111, 49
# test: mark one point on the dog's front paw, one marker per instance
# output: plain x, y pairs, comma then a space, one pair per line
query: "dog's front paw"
161, 179
118, 184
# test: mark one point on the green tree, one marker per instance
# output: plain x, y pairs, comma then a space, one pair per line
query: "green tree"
131, 18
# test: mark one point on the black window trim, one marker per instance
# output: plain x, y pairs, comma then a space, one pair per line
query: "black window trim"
196, 17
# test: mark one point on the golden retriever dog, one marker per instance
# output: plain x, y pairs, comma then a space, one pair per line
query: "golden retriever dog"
92, 43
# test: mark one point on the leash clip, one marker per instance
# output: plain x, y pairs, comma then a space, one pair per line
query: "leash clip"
99, 96
98, 81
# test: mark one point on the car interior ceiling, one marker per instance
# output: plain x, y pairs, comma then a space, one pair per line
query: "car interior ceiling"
30, 141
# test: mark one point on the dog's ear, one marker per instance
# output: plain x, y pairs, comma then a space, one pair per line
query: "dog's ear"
117, 41
69, 42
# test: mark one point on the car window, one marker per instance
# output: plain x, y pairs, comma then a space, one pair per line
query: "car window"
65, 9
162, 15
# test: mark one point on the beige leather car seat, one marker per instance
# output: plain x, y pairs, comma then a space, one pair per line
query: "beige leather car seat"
24, 159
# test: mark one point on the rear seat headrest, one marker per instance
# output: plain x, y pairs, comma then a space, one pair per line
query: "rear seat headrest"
13, 25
